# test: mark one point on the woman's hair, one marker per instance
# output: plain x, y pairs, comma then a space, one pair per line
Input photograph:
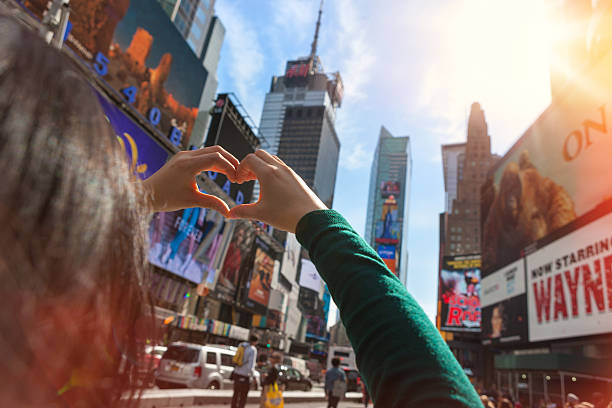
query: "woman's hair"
75, 313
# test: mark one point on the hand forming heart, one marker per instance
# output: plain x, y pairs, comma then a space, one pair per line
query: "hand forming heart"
284, 196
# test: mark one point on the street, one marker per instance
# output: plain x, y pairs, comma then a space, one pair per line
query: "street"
296, 405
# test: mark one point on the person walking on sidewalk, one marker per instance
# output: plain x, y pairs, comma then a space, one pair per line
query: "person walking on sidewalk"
335, 384
270, 386
243, 372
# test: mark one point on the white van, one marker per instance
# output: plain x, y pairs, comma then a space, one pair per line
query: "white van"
345, 354
188, 365
297, 363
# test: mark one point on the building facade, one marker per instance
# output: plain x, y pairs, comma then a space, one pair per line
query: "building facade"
298, 121
388, 199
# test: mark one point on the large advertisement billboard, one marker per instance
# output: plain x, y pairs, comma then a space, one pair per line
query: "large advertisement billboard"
176, 236
504, 305
570, 284
388, 229
137, 50
229, 129
388, 188
460, 293
553, 174
260, 282
388, 255
235, 259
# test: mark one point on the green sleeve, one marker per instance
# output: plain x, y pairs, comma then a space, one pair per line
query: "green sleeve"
400, 354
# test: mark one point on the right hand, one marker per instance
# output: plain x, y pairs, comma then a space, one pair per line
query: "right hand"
284, 197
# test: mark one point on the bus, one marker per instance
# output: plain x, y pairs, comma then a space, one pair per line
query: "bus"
345, 354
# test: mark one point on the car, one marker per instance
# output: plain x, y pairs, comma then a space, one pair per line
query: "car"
188, 365
353, 380
292, 379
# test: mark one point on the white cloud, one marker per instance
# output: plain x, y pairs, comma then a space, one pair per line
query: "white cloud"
243, 51
354, 157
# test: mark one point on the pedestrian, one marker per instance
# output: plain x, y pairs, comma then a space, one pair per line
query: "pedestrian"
271, 393
73, 261
244, 372
366, 395
335, 384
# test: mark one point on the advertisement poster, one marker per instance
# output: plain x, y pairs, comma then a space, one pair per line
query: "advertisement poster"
261, 276
553, 174
235, 258
388, 229
388, 188
175, 237
460, 293
213, 247
291, 257
136, 49
144, 154
309, 277
569, 284
504, 305
387, 253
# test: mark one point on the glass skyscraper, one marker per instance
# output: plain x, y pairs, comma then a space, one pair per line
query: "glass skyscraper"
388, 198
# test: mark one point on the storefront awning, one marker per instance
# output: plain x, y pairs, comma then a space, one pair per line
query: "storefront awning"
600, 367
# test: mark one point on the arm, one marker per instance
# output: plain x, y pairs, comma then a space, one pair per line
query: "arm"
402, 357
400, 354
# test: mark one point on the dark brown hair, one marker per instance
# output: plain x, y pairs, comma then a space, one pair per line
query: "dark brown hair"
72, 264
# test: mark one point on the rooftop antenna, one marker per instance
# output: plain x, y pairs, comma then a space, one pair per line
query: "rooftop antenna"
313, 47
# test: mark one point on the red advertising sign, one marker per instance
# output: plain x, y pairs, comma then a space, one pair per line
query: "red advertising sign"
460, 293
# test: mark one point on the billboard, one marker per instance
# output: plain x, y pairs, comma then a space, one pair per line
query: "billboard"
260, 282
291, 257
274, 319
553, 175
569, 284
145, 155
388, 188
460, 293
212, 250
236, 258
387, 253
229, 129
504, 305
135, 48
174, 238
388, 229
309, 277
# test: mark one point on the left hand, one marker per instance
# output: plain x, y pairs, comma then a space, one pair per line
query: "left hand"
174, 187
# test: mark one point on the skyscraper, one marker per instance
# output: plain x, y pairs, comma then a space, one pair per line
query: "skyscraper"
204, 32
465, 170
298, 120
388, 197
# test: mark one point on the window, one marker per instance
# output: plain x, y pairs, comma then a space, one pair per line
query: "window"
211, 358
200, 16
226, 360
182, 354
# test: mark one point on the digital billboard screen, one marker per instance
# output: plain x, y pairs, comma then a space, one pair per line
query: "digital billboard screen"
260, 282
229, 130
135, 48
175, 237
553, 174
388, 188
460, 293
504, 305
388, 255
238, 253
388, 228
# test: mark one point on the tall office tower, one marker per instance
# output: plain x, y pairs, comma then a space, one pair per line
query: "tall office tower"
465, 170
204, 32
388, 197
298, 121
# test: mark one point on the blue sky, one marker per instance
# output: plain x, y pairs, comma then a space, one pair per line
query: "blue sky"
414, 67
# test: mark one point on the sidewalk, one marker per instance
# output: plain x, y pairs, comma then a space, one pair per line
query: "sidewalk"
188, 397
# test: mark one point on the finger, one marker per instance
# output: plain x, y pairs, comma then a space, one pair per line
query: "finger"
252, 165
249, 211
216, 148
213, 161
265, 156
209, 201
278, 160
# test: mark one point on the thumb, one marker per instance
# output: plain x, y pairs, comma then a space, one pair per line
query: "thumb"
209, 201
250, 211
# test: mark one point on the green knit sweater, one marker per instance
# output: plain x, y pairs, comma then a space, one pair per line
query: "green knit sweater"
400, 354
